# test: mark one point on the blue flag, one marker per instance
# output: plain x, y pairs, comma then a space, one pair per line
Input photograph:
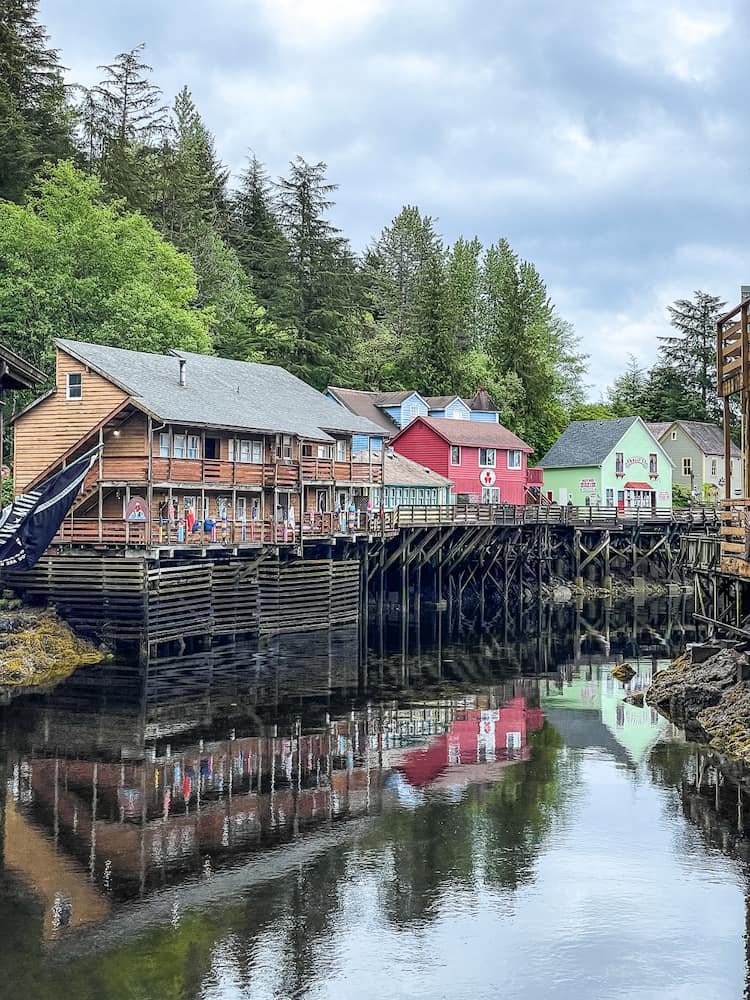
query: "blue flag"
30, 522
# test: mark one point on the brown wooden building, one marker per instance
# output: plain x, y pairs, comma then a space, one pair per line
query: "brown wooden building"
195, 450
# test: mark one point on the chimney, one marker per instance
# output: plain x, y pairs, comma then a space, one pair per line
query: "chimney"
183, 366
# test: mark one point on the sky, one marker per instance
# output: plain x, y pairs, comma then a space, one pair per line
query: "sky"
605, 139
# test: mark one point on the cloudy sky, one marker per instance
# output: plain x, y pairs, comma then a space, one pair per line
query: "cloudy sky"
606, 139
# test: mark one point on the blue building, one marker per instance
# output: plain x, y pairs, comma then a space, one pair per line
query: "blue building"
394, 410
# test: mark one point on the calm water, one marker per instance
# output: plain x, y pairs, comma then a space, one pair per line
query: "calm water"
325, 817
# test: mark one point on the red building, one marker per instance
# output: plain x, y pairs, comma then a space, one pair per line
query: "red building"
476, 748
486, 462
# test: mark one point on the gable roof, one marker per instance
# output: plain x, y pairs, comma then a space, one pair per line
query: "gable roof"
586, 442
363, 404
220, 392
440, 402
16, 372
708, 437
659, 428
398, 470
469, 433
394, 398
481, 400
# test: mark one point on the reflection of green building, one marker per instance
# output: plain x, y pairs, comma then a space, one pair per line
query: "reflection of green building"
589, 711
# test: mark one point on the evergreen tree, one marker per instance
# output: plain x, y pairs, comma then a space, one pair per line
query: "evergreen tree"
323, 274
192, 181
36, 119
691, 352
262, 249
627, 396
132, 120
460, 295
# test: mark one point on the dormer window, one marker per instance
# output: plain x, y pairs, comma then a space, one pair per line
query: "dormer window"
74, 385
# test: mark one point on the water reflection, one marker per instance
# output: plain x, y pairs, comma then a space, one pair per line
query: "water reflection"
426, 814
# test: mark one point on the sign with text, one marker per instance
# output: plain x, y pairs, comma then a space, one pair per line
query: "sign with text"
587, 486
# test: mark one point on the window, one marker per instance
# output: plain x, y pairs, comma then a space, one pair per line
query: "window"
231, 450
164, 450
411, 410
490, 494
610, 498
189, 504
241, 510
250, 451
619, 464
340, 450
420, 497
324, 451
455, 455
487, 458
653, 464
412, 495
714, 467
673, 435
193, 446
284, 446
514, 460
687, 466
74, 388
178, 446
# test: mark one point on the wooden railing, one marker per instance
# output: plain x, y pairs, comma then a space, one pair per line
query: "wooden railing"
735, 536
134, 468
115, 531
733, 351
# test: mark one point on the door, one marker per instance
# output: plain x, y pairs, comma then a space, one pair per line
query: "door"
563, 495
212, 448
621, 500
322, 501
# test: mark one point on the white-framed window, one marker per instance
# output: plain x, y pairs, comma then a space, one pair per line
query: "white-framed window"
609, 498
256, 452
420, 497
455, 455
487, 458
189, 503
514, 459
241, 509
619, 464
687, 466
653, 464
490, 494
74, 385
412, 410
249, 451
673, 435
284, 446
206, 507
178, 445
412, 495
193, 446
398, 496
714, 467
340, 450
164, 449
324, 451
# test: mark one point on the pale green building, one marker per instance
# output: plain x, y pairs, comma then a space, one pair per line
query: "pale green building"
608, 463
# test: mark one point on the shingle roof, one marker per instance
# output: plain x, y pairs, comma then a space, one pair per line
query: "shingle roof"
401, 471
439, 402
237, 395
708, 437
586, 442
470, 433
364, 404
392, 398
659, 428
481, 400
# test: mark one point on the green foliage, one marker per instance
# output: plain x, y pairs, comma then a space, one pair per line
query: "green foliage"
36, 121
680, 495
74, 266
591, 411
7, 491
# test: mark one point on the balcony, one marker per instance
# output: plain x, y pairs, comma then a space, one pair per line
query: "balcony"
535, 477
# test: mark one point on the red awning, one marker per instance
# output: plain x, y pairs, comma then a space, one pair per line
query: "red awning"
638, 486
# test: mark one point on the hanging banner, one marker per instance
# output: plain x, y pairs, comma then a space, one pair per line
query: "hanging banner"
30, 522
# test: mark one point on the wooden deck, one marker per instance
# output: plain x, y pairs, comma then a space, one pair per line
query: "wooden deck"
114, 533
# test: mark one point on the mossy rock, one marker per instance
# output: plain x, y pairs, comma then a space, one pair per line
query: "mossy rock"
46, 650
623, 672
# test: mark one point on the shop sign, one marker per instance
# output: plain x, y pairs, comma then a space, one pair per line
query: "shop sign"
587, 486
136, 509
664, 494
636, 460
487, 477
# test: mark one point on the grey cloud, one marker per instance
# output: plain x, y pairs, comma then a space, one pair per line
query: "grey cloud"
607, 142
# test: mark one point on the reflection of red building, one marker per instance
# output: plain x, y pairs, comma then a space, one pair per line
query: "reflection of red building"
488, 738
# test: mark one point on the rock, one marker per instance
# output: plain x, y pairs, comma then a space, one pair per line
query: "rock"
562, 593
634, 698
623, 672
685, 689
